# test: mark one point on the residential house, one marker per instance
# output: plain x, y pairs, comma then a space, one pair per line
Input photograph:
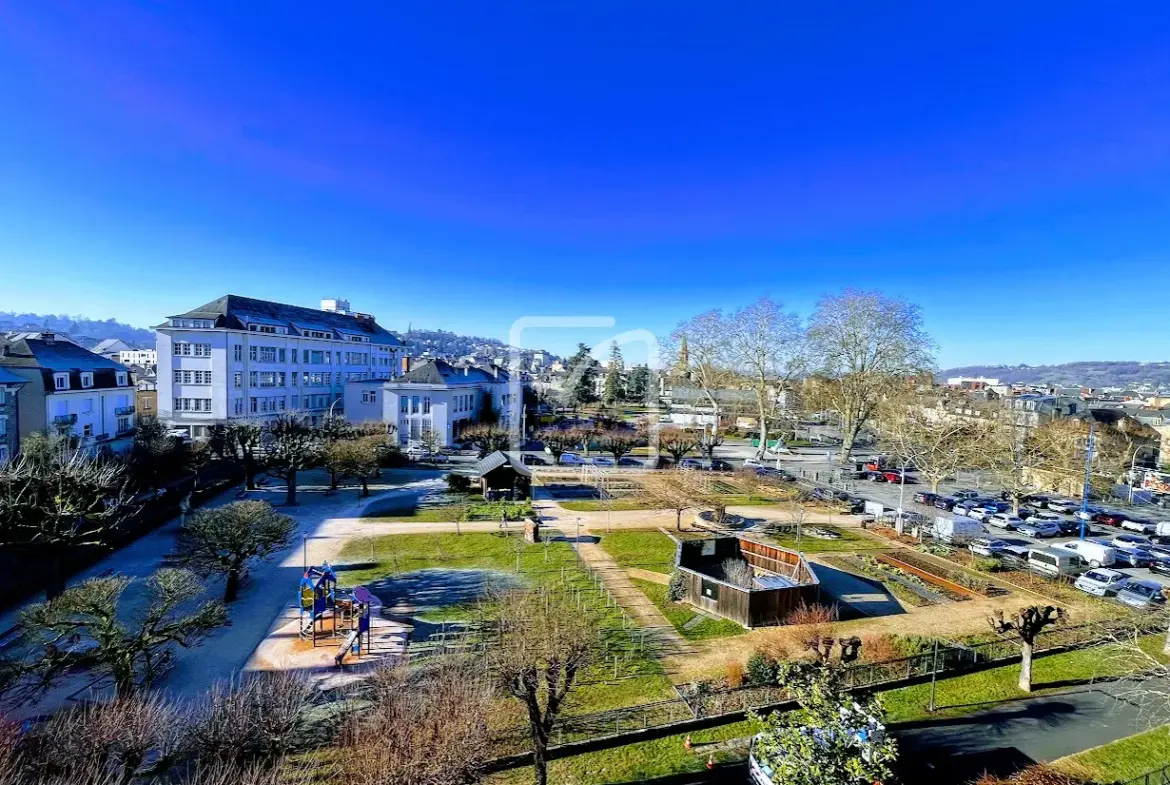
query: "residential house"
145, 358
238, 358
110, 348
146, 396
10, 385
437, 397
70, 389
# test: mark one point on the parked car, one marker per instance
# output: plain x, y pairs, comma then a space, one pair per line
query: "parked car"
1133, 540
1087, 514
691, 463
875, 476
1053, 562
1047, 517
571, 459
1064, 506
1146, 595
899, 477
1039, 500
752, 462
1160, 567
1004, 520
1158, 553
1072, 527
966, 494
953, 530
1026, 513
601, 460
1101, 582
1133, 556
1095, 554
631, 462
1039, 529
774, 474
824, 494
925, 497
1109, 517
946, 503
985, 546
533, 460
1016, 546
718, 465
979, 513
993, 505
1140, 525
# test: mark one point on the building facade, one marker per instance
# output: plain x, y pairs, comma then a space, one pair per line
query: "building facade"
145, 358
10, 385
436, 397
71, 390
238, 358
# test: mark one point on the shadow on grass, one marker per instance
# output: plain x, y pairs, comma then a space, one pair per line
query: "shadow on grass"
737, 773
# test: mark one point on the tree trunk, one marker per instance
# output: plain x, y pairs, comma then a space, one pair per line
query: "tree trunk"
123, 679
678, 519
763, 435
250, 472
1166, 645
332, 480
54, 577
231, 586
1026, 666
934, 481
365, 488
290, 498
849, 436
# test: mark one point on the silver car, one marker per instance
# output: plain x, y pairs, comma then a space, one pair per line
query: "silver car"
1146, 595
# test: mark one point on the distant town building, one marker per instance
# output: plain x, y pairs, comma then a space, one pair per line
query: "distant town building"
110, 348
10, 385
239, 358
971, 382
146, 358
146, 396
71, 390
434, 397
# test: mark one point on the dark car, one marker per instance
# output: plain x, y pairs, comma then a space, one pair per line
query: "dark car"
630, 462
533, 460
768, 473
1160, 567
925, 497
946, 503
721, 466
1073, 527
1025, 513
823, 494
1039, 500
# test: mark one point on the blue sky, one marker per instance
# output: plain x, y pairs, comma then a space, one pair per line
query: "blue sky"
461, 165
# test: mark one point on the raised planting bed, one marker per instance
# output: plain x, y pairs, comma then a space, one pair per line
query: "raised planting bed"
953, 578
905, 587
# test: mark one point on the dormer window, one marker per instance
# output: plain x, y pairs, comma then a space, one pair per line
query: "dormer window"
86, 380
121, 377
61, 381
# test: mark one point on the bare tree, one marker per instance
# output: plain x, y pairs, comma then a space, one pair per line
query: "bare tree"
1012, 455
87, 628
225, 540
865, 345
487, 437
739, 573
558, 441
1028, 623
294, 445
677, 442
766, 346
701, 346
54, 502
709, 440
938, 448
357, 458
242, 439
544, 645
253, 718
617, 442
677, 490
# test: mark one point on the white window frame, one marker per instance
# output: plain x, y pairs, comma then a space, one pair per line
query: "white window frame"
120, 378
60, 381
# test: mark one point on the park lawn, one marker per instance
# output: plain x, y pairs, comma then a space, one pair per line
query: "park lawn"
644, 761
649, 549
549, 563
680, 614
975, 691
475, 510
613, 505
1121, 760
445, 513
849, 540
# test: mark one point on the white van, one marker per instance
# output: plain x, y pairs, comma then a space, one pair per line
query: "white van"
956, 530
1053, 562
1094, 554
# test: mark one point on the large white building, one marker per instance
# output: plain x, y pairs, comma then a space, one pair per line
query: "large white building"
146, 358
237, 358
435, 396
69, 389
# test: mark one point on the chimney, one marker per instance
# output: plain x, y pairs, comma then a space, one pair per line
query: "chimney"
405, 364
495, 370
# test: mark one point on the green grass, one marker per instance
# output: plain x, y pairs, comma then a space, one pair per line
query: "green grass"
679, 614
1122, 760
446, 513
976, 691
635, 503
646, 548
848, 541
551, 564
645, 760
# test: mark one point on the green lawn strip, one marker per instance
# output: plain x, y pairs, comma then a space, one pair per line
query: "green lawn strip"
680, 614
625, 504
973, 692
1121, 760
540, 564
848, 541
649, 549
646, 760
445, 513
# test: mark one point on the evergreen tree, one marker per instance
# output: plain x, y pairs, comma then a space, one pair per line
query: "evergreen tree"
613, 376
638, 383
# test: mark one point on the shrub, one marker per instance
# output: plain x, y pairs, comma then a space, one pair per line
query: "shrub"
458, 483
677, 588
734, 670
812, 614
762, 669
987, 564
254, 719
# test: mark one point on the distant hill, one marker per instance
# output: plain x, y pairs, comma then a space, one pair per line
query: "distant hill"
82, 331
1122, 373
440, 343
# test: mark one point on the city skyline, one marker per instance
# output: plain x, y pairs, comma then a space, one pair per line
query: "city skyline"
1009, 180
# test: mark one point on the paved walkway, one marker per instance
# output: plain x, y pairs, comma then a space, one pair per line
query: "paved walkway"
667, 639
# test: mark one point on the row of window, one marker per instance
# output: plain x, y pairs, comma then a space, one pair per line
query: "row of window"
275, 354
61, 380
192, 404
369, 396
192, 377
410, 404
198, 324
279, 403
464, 402
184, 349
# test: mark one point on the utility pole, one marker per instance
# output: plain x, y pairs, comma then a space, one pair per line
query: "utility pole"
1088, 474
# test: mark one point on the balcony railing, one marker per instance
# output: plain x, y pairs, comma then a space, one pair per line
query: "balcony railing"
65, 419
123, 410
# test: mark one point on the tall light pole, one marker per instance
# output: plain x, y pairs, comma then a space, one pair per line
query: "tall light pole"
1088, 474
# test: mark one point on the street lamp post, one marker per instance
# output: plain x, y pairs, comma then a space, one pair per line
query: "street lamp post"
1088, 475
1133, 466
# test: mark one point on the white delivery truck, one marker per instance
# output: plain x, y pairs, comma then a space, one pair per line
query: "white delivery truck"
956, 529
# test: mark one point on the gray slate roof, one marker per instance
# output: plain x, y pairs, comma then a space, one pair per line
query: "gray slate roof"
8, 377
111, 345
59, 356
496, 460
442, 373
235, 312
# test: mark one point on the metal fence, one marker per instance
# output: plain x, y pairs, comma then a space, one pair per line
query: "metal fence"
1157, 777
